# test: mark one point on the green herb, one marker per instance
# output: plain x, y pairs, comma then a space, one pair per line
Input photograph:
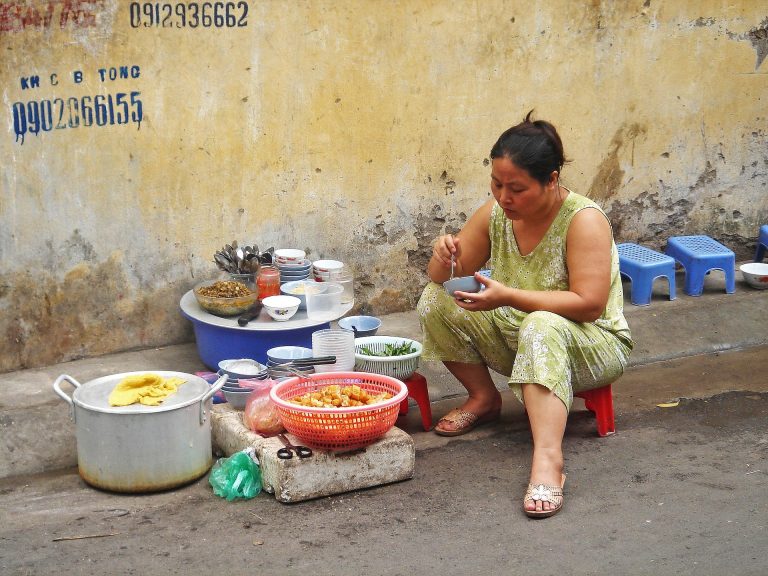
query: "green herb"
390, 350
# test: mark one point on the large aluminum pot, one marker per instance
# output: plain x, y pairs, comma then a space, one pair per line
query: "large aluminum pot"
141, 448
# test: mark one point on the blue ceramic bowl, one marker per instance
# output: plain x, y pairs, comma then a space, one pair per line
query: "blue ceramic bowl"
465, 283
363, 325
462, 284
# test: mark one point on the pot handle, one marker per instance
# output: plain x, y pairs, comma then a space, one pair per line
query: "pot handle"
60, 392
215, 387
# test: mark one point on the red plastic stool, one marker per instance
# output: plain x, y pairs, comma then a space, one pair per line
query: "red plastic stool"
600, 402
417, 389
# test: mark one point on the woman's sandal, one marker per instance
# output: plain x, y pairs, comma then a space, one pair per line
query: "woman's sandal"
544, 493
464, 421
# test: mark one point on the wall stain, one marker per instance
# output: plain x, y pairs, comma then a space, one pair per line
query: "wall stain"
427, 228
607, 181
758, 37
681, 217
705, 178
627, 217
92, 311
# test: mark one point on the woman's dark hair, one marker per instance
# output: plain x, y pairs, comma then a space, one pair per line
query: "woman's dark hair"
533, 145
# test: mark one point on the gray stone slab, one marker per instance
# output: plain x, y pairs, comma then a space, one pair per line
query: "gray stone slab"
390, 459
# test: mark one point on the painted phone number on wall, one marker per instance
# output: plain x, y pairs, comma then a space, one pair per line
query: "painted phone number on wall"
189, 15
36, 116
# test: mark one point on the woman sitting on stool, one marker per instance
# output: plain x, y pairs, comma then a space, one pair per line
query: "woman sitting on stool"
551, 315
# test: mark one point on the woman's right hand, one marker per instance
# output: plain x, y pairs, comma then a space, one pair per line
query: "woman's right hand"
471, 247
443, 248
439, 268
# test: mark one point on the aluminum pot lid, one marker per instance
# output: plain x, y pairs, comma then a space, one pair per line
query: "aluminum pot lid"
94, 394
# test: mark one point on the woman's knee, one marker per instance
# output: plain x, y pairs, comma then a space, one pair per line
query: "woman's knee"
542, 323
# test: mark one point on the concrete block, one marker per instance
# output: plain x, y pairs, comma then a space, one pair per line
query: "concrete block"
36, 431
390, 459
229, 434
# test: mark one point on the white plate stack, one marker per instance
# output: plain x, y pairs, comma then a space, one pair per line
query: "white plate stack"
339, 343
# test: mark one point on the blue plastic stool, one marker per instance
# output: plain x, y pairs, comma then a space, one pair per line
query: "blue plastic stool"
762, 243
642, 266
699, 255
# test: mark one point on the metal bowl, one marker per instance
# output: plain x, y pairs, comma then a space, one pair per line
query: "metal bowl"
237, 399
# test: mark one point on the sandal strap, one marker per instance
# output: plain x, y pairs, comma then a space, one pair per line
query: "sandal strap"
544, 493
461, 418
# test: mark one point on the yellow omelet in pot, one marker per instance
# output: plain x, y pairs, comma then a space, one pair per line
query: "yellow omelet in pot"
147, 389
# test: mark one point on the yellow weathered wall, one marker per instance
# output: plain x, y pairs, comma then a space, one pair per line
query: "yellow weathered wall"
356, 129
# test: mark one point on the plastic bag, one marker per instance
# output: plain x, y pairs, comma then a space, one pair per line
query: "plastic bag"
238, 476
260, 414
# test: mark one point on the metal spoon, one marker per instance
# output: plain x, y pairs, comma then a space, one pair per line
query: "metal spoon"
222, 261
453, 264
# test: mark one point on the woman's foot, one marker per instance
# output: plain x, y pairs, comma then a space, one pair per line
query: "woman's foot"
545, 490
544, 500
471, 414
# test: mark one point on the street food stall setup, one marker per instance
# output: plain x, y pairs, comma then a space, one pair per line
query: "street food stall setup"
314, 405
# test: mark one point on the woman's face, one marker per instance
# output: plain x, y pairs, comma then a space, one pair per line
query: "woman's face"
519, 195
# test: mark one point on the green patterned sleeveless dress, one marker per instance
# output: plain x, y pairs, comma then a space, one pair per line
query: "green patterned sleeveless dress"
538, 347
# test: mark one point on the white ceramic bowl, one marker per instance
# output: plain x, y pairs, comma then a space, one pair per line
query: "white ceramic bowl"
756, 274
289, 256
326, 266
281, 308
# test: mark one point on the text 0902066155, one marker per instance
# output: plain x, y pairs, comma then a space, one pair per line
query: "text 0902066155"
58, 113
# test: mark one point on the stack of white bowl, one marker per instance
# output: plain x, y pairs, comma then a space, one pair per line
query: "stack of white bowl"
292, 264
339, 343
324, 270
